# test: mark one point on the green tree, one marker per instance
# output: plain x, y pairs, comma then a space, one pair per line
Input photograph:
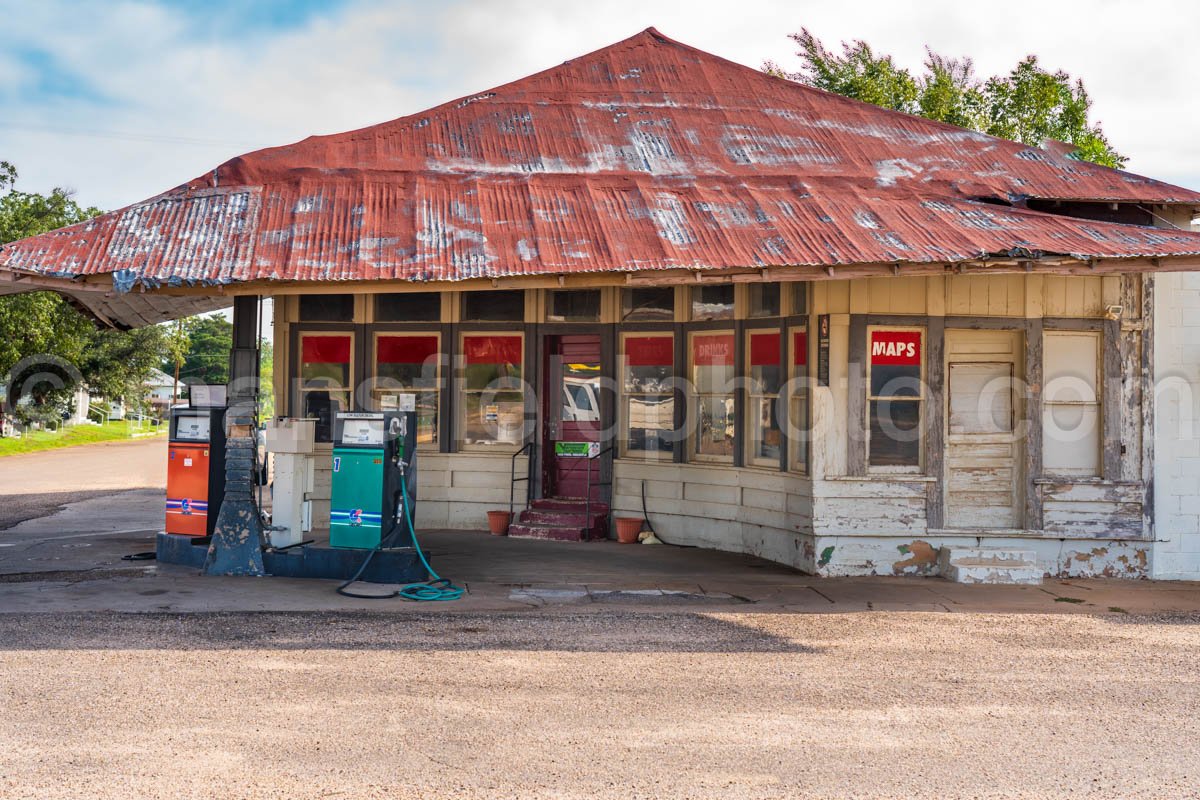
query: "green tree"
266, 375
210, 338
1028, 105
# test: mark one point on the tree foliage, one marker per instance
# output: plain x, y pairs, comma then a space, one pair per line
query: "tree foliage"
206, 354
1028, 105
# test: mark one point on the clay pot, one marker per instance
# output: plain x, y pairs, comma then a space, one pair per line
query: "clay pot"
498, 522
628, 529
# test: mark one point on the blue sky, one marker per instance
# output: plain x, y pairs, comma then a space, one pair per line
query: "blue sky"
123, 99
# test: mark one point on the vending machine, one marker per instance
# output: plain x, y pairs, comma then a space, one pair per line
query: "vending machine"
196, 463
374, 478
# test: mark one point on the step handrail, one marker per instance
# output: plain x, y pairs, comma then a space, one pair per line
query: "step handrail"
587, 500
514, 480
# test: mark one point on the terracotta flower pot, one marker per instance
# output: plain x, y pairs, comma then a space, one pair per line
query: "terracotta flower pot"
628, 529
498, 522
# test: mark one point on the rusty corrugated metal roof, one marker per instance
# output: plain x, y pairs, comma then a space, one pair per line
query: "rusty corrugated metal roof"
645, 155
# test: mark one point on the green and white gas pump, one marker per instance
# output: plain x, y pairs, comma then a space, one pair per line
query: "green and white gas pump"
374, 480
375, 494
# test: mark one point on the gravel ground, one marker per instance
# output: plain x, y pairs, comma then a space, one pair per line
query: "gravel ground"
625, 704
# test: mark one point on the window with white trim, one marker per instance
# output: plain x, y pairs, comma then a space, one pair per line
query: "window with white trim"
1071, 403
895, 398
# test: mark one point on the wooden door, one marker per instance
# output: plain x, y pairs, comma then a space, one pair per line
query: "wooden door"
571, 408
984, 453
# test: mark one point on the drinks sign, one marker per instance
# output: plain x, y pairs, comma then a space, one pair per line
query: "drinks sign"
900, 348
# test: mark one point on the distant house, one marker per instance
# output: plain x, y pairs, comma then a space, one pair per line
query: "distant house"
161, 390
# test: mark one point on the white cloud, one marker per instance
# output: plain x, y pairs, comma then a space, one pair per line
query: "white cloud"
149, 71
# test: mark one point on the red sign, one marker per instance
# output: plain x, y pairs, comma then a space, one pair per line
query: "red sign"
492, 349
650, 351
895, 347
405, 349
325, 349
713, 350
800, 348
764, 349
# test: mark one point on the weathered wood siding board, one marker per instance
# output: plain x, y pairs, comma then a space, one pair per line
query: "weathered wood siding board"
896, 296
894, 516
985, 295
869, 489
759, 512
1074, 296
1102, 510
1092, 492
856, 409
1034, 375
935, 420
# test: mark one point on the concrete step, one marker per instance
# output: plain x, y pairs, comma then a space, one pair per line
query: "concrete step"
559, 517
999, 565
536, 530
568, 504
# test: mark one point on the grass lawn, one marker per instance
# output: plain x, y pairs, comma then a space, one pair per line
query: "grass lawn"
69, 437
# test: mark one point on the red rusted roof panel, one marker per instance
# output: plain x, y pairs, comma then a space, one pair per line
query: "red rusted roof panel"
644, 155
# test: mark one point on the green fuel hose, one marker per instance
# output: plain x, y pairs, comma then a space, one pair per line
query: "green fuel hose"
438, 589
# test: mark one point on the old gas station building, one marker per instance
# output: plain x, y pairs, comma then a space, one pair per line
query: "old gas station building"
789, 323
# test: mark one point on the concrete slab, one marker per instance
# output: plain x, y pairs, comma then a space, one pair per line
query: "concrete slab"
71, 561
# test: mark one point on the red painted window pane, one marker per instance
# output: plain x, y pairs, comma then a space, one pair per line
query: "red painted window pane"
764, 349
650, 351
800, 349
325, 349
895, 347
492, 349
405, 349
713, 350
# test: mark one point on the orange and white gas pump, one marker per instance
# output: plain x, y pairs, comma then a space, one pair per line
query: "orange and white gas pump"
195, 469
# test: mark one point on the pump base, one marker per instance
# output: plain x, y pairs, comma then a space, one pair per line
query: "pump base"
390, 565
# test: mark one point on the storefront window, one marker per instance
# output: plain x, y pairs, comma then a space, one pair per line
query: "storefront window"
764, 299
406, 377
327, 308
573, 305
895, 395
712, 375
500, 306
798, 415
493, 391
408, 307
712, 302
650, 303
1071, 404
762, 417
647, 394
326, 378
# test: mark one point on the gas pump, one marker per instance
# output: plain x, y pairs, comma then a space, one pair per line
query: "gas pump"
374, 478
196, 463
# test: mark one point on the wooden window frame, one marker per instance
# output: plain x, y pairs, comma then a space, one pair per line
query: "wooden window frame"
461, 392
922, 401
373, 366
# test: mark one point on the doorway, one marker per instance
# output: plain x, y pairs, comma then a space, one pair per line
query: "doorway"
572, 414
983, 442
